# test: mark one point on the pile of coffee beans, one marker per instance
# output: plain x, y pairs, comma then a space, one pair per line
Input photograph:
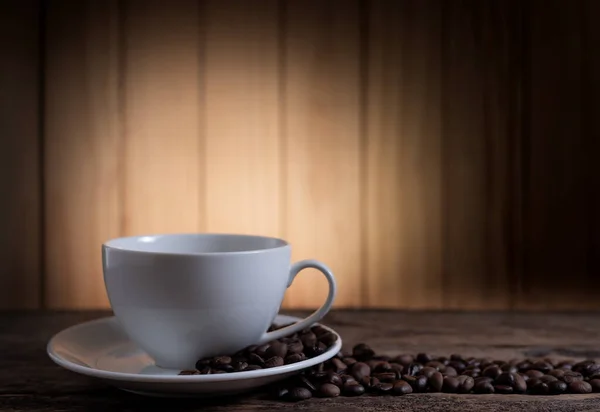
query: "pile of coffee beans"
298, 347
362, 371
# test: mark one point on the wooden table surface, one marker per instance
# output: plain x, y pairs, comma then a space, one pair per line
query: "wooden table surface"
29, 381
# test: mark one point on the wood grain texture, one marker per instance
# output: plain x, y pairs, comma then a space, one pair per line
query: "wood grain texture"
241, 115
560, 172
163, 153
321, 129
20, 208
475, 154
403, 167
82, 149
30, 382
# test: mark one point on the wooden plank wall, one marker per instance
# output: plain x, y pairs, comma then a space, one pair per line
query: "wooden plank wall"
436, 154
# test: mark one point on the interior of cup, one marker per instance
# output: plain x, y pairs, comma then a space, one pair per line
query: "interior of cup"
196, 243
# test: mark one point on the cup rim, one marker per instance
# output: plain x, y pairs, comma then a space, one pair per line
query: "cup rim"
110, 244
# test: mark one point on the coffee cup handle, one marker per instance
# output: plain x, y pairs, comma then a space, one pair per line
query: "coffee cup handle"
315, 316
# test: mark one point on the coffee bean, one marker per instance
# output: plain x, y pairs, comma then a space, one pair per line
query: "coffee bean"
353, 389
424, 358
509, 368
483, 387
220, 361
349, 361
437, 366
482, 379
278, 349
547, 379
217, 371
252, 368
532, 373
369, 382
295, 347
348, 379
503, 389
359, 370
466, 384
450, 384
583, 365
189, 372
384, 358
557, 373
304, 382
557, 387
533, 381
401, 388
492, 371
436, 382
362, 352
274, 362
382, 367
338, 366
595, 384
520, 384
474, 373
239, 366
542, 366
459, 366
262, 350
427, 371
205, 370
404, 360
413, 369
540, 388
524, 366
571, 376
566, 365
333, 378
294, 358
254, 359
382, 388
308, 339
386, 376
328, 338
419, 384
397, 368
450, 371
298, 394
505, 378
525, 377
580, 387
329, 390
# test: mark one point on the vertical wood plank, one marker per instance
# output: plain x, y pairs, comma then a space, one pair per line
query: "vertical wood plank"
322, 113
558, 176
163, 150
241, 103
475, 170
82, 141
20, 275
404, 265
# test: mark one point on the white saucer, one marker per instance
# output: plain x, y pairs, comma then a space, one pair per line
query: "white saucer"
101, 349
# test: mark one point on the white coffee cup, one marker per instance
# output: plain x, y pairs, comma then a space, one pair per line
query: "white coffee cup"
183, 297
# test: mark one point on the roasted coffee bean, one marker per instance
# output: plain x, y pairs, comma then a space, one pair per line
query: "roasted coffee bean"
459, 366
306, 383
427, 371
308, 339
401, 388
424, 358
338, 366
557, 373
328, 338
294, 347
595, 384
294, 358
189, 372
328, 390
369, 382
404, 360
482, 379
557, 387
384, 358
273, 362
298, 394
542, 366
450, 371
205, 370
362, 352
532, 373
436, 382
382, 388
359, 370
316, 350
252, 368
540, 388
278, 349
412, 369
524, 366
525, 377
580, 387
450, 384
533, 381
509, 368
353, 389
483, 388
419, 384
566, 364
262, 350
505, 378
519, 384
349, 361
254, 359
216, 371
397, 368
386, 376
465, 384
581, 366
492, 371
503, 389
239, 366
348, 379
439, 366
594, 376
547, 378
474, 373
332, 378
382, 367
571, 376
